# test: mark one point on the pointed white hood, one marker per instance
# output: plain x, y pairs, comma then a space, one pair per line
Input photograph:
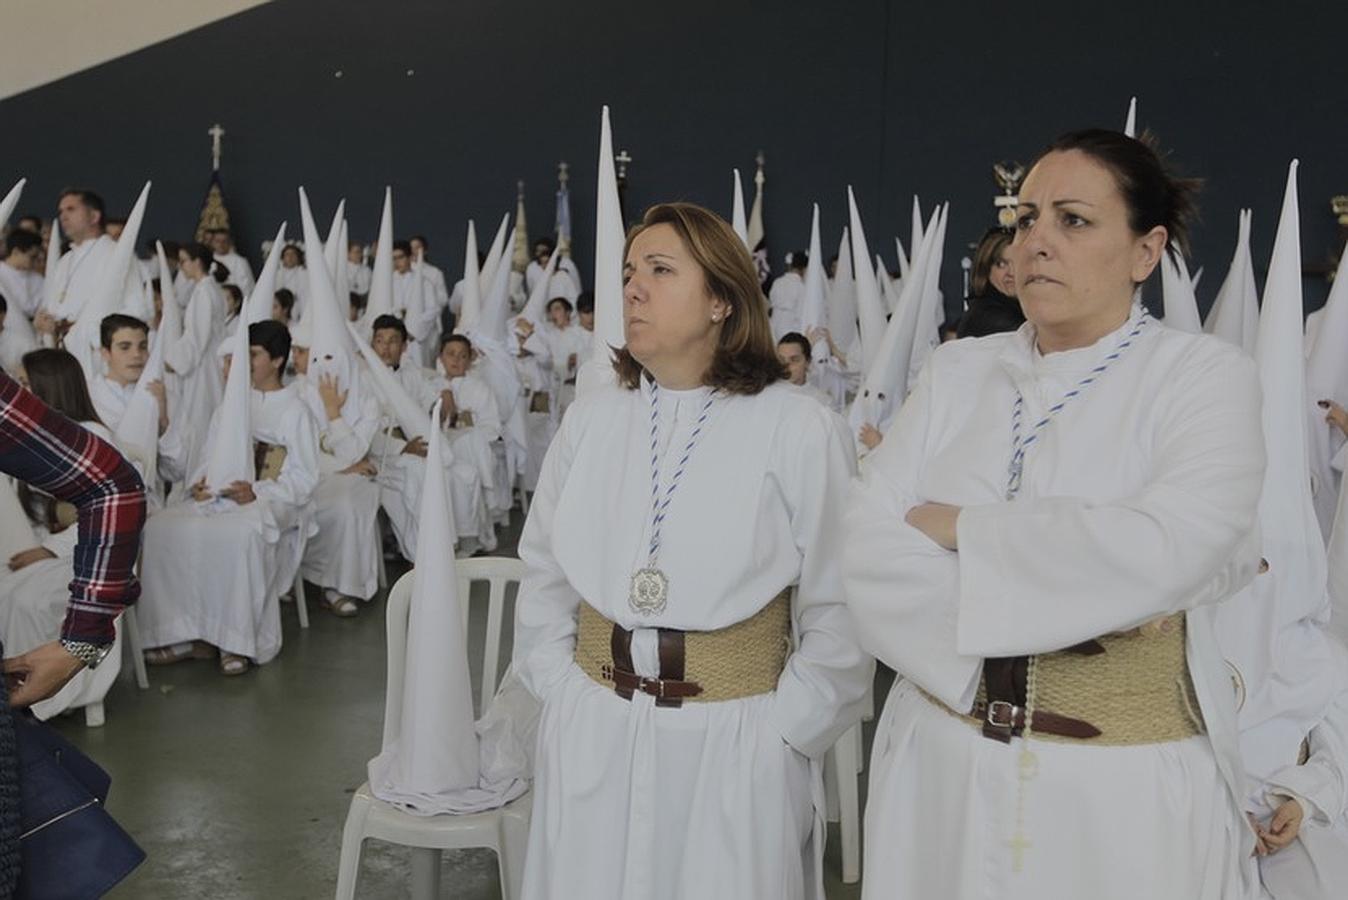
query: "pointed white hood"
870, 308
50, 289
814, 299
535, 309
471, 310
380, 301
11, 200
1177, 293
842, 304
430, 760
495, 253
608, 270
258, 305
1130, 124
1327, 379
904, 265
334, 252
1234, 315
230, 455
927, 327
323, 331
916, 236
737, 219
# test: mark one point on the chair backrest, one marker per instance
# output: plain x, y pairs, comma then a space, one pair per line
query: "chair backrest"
498, 572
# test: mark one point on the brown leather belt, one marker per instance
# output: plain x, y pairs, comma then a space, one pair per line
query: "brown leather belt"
741, 660
670, 688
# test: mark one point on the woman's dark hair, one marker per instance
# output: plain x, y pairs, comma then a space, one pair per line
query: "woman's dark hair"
1153, 194
234, 299
58, 380
285, 298
985, 257
745, 360
991, 314
202, 254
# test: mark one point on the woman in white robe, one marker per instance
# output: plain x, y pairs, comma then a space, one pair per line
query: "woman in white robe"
192, 355
35, 583
1135, 501
634, 799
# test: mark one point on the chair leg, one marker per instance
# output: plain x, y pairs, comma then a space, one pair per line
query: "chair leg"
133, 644
301, 606
849, 806
93, 715
514, 844
425, 873
383, 572
353, 839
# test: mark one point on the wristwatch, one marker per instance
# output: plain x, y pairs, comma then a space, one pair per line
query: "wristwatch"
89, 654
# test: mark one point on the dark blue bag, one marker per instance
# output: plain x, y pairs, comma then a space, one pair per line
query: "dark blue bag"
71, 849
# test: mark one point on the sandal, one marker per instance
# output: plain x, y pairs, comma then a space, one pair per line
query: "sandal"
164, 656
233, 664
339, 605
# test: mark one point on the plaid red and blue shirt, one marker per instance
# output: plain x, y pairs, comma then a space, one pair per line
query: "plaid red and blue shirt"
53, 454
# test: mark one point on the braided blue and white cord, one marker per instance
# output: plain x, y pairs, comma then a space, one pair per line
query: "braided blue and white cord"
659, 506
1019, 445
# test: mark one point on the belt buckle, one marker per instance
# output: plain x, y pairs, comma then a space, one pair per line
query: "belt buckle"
1002, 706
653, 686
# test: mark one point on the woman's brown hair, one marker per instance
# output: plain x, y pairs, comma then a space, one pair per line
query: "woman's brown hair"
746, 356
985, 257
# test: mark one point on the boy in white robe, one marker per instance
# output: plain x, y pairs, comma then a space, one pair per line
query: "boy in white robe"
20, 284
472, 423
793, 349
358, 275
540, 408
414, 304
213, 571
342, 557
569, 345
125, 349
294, 277
401, 463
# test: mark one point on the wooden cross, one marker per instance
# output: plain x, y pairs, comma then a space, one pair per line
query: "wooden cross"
563, 175
758, 176
216, 133
622, 159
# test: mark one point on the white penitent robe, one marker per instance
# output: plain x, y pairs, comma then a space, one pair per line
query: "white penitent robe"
78, 275
21, 289
713, 799
295, 280
17, 336
1137, 501
401, 475
193, 358
565, 281
569, 348
33, 603
785, 298
539, 406
240, 271
476, 445
215, 571
358, 277
1315, 866
111, 400
414, 303
344, 553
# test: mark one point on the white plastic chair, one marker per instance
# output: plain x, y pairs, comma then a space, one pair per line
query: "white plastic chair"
841, 777
504, 830
301, 606
133, 647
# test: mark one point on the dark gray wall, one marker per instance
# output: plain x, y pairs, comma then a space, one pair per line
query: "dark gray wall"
892, 97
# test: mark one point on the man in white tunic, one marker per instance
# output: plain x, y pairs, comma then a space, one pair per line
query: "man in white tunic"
342, 557
793, 349
565, 282
358, 274
294, 277
240, 270
413, 302
569, 346
78, 272
214, 566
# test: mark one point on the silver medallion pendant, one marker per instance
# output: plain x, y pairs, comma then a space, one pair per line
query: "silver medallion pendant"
650, 591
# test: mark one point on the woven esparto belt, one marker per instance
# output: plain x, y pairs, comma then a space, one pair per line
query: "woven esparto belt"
1120, 689
740, 660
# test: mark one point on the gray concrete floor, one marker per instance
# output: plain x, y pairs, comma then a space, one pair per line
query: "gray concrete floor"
237, 788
